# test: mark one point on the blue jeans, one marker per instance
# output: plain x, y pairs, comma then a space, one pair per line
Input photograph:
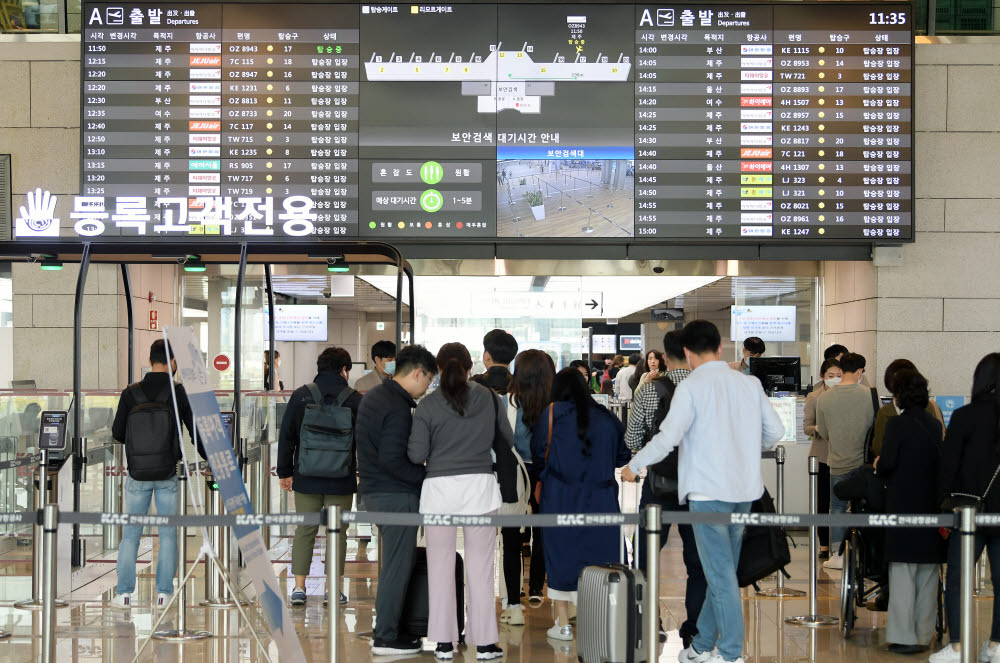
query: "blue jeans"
720, 623
138, 496
838, 505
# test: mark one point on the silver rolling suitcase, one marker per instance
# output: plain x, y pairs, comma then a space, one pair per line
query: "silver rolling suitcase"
611, 624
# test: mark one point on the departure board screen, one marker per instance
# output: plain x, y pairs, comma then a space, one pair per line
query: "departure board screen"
476, 123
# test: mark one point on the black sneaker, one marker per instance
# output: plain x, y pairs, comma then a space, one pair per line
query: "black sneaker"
397, 647
444, 651
488, 652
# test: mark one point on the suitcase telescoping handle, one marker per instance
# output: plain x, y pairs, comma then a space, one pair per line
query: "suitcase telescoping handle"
635, 532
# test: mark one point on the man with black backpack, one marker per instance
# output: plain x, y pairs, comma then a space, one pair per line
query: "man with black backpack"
649, 408
147, 425
317, 457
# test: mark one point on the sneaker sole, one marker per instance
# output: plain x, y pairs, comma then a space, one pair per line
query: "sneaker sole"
296, 602
489, 656
444, 657
390, 651
560, 638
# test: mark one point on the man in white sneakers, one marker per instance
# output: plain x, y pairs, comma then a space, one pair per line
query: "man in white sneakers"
722, 420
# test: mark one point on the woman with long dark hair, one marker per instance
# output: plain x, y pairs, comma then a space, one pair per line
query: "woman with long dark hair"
970, 463
453, 432
577, 445
656, 367
530, 391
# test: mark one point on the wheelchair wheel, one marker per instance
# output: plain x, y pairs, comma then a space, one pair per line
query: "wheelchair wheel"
849, 582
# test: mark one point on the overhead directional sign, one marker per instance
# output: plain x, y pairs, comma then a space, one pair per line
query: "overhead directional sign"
592, 304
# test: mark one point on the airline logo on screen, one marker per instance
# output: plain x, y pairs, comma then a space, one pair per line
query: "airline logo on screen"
38, 218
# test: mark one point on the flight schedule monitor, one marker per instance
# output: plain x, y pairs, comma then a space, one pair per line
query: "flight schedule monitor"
615, 123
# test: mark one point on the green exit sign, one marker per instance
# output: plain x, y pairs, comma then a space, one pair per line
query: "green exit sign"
380, 326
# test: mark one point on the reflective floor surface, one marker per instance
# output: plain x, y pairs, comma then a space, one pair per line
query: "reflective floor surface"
90, 630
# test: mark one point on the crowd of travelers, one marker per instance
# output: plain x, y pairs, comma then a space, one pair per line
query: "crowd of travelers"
695, 429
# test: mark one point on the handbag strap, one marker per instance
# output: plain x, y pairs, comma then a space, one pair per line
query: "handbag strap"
548, 442
990, 485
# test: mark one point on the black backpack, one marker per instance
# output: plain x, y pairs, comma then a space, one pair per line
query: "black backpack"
326, 437
765, 549
151, 436
662, 477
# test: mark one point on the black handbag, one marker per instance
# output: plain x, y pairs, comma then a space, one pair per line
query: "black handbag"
960, 500
662, 477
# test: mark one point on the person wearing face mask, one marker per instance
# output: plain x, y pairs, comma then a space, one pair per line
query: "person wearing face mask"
268, 382
752, 347
384, 365
890, 410
153, 453
831, 377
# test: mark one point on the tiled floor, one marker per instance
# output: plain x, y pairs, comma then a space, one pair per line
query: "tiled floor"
90, 631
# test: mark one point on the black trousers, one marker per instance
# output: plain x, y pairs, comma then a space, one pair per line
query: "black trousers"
823, 505
513, 571
697, 586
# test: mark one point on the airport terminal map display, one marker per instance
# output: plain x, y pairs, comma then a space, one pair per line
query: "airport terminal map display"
632, 123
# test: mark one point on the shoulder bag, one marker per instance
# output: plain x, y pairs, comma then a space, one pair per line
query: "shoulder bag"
548, 447
506, 465
959, 500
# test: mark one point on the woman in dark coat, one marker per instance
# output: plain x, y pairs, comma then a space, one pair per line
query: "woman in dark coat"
578, 476
970, 459
909, 464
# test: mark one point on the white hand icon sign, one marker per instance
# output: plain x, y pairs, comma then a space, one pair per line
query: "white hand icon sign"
40, 214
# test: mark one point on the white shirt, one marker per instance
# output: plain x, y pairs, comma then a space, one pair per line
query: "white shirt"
622, 389
722, 420
462, 494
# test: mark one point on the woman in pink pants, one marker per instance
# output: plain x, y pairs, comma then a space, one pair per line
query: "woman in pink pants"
453, 431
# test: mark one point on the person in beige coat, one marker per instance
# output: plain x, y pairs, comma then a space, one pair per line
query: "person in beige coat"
830, 375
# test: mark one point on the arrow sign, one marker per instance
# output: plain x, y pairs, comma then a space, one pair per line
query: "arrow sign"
592, 304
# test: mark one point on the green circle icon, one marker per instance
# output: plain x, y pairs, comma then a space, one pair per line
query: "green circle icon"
431, 200
371, 224
431, 172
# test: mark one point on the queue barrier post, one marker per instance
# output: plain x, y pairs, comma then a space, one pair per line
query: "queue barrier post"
654, 528
779, 590
181, 633
333, 551
50, 526
813, 619
41, 497
967, 530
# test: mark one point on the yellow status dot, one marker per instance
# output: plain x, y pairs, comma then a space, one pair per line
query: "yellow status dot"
821, 74
270, 125
822, 88
822, 166
569, 41
269, 139
270, 47
269, 150
822, 218
271, 61
822, 62
822, 140
400, 225
414, 9
268, 164
822, 153
822, 114
822, 231
269, 179
822, 127
822, 101
822, 205
821, 191
270, 99
583, 41
821, 179
822, 49
268, 190
269, 87
271, 73
270, 113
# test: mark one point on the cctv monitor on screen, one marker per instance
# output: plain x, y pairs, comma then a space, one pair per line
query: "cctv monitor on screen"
777, 373
300, 322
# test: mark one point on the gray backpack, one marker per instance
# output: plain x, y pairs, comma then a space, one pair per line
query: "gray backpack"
326, 437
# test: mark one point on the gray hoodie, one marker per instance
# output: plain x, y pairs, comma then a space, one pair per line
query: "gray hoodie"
452, 444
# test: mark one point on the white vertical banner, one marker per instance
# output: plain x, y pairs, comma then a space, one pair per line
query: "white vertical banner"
222, 459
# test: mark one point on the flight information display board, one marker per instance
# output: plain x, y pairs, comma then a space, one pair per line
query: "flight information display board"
635, 123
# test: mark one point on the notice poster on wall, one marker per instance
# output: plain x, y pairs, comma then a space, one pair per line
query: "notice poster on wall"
770, 323
604, 344
298, 323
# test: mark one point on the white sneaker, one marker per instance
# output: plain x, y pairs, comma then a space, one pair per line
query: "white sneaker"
988, 652
513, 615
559, 632
947, 654
689, 655
835, 563
122, 602
162, 600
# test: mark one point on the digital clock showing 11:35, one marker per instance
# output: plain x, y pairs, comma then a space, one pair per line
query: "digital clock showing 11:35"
887, 18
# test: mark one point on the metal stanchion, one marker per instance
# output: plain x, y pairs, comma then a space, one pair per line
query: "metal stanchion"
217, 595
982, 573
653, 528
967, 530
50, 525
779, 590
111, 534
181, 633
42, 496
333, 526
813, 620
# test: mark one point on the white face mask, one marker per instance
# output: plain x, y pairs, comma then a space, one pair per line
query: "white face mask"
833, 382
